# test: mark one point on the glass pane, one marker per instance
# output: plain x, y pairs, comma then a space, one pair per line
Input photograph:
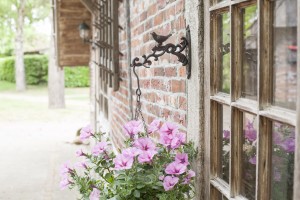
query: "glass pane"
283, 161
225, 142
223, 54
285, 53
249, 55
249, 155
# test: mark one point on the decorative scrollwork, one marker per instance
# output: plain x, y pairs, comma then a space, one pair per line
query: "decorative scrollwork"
158, 50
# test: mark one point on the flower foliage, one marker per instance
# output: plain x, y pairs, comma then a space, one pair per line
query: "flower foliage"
148, 168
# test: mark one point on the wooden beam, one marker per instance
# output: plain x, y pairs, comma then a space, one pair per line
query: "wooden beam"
89, 5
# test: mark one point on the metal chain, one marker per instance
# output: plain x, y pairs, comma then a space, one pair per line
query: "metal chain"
138, 109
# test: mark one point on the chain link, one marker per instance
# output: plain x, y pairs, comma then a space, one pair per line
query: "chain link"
138, 109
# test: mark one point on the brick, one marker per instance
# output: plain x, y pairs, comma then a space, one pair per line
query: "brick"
146, 37
135, 43
170, 71
152, 9
149, 24
179, 118
158, 71
166, 29
134, 22
152, 97
180, 7
161, 4
180, 23
143, 16
158, 19
140, 29
156, 83
182, 71
145, 83
182, 103
165, 113
177, 86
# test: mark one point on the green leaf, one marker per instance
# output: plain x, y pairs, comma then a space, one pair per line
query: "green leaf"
137, 194
139, 186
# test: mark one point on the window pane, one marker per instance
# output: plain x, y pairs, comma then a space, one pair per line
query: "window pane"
249, 59
283, 161
285, 53
225, 142
249, 156
223, 54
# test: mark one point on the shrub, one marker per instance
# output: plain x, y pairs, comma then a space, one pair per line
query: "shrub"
77, 77
7, 72
36, 69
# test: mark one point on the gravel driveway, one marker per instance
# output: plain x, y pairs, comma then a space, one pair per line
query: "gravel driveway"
35, 141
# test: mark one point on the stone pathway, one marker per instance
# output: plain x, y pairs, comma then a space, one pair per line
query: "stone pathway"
34, 142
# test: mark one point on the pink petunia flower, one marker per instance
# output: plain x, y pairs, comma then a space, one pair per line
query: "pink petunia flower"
64, 183
80, 153
131, 152
85, 133
81, 164
123, 162
288, 145
277, 138
168, 129
250, 132
170, 182
253, 160
165, 140
146, 156
226, 134
177, 140
189, 176
154, 126
145, 144
95, 194
175, 168
182, 158
66, 168
99, 148
161, 178
133, 127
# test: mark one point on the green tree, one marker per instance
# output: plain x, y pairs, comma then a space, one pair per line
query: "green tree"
15, 15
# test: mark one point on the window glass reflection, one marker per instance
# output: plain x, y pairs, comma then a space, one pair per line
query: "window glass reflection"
285, 53
283, 161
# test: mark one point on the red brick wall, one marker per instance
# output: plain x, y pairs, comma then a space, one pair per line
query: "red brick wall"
164, 84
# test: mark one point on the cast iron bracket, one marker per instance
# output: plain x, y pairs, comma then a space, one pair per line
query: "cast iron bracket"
158, 50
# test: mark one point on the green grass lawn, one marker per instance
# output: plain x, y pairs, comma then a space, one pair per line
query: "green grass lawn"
72, 93
6, 86
33, 103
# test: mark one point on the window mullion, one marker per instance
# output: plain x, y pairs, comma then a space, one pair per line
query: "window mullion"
263, 174
264, 59
297, 141
236, 151
215, 140
236, 55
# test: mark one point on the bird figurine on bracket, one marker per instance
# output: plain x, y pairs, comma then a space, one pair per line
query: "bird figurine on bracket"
160, 38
